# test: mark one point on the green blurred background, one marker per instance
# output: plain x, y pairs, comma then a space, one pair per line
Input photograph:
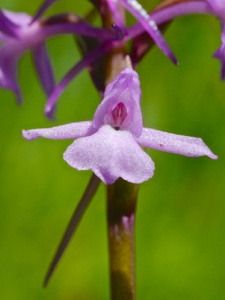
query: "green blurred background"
180, 229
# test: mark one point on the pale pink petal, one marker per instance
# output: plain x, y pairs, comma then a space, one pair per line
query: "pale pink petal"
126, 78
178, 144
124, 88
68, 131
111, 154
19, 19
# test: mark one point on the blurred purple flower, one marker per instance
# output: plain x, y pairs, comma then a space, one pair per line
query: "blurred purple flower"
110, 144
218, 8
220, 53
17, 36
19, 33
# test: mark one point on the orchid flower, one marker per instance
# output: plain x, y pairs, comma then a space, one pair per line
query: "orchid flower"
167, 12
110, 145
19, 33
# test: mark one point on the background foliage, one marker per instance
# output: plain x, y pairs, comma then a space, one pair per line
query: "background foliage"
181, 212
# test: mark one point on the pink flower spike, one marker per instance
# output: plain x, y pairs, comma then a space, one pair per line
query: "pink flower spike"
110, 146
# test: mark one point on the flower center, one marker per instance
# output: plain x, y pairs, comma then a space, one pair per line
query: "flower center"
119, 113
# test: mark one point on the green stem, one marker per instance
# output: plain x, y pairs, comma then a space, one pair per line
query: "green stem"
122, 197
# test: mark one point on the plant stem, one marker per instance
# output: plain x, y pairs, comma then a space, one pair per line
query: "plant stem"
122, 197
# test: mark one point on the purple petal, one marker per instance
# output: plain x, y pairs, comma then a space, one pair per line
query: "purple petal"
220, 54
171, 12
178, 144
11, 51
142, 44
44, 68
42, 9
218, 7
6, 26
19, 19
8, 71
83, 63
111, 154
68, 131
125, 78
149, 25
124, 88
70, 23
96, 69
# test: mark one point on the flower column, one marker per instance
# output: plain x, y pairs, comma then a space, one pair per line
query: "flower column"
121, 196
